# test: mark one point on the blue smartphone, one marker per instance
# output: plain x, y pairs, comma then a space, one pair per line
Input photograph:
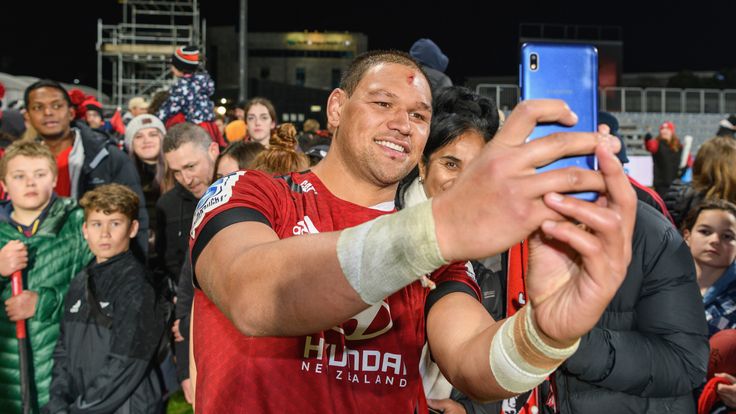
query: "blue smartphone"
568, 72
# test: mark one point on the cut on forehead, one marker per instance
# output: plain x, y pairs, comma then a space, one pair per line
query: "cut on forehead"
358, 67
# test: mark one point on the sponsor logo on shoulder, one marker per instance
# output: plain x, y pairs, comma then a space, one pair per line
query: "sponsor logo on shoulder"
307, 187
218, 194
304, 226
76, 306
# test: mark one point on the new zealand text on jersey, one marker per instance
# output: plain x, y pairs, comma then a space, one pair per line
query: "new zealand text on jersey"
358, 366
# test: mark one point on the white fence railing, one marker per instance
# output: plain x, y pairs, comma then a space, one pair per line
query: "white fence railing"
629, 99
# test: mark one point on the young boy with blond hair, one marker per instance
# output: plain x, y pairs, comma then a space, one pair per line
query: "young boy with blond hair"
110, 332
40, 235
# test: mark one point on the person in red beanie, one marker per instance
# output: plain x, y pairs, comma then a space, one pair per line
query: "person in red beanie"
666, 152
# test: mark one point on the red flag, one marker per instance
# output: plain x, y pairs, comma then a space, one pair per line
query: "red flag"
117, 122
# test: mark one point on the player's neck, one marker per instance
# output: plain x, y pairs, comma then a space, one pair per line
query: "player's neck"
344, 184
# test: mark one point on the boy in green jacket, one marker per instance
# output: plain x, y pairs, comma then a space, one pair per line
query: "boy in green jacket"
41, 235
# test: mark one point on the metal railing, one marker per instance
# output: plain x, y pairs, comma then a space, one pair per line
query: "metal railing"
127, 33
629, 99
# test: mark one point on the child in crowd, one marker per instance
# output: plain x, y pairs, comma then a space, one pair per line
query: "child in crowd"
103, 362
710, 231
40, 235
189, 98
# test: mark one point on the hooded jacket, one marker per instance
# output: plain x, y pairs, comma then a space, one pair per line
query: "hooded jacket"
103, 361
434, 63
190, 96
56, 253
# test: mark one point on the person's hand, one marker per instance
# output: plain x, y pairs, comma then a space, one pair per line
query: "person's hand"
501, 190
186, 386
727, 393
446, 406
576, 269
21, 307
13, 256
177, 333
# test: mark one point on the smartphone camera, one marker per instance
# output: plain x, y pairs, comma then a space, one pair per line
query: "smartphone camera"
534, 61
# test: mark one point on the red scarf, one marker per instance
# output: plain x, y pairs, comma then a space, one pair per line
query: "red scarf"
518, 266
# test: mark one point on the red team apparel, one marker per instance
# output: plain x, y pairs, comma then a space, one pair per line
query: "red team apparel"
369, 363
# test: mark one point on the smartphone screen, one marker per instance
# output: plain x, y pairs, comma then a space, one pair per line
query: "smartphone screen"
568, 72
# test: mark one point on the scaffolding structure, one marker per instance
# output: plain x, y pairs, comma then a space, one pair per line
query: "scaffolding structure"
133, 57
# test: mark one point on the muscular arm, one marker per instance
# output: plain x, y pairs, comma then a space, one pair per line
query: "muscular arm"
459, 331
272, 287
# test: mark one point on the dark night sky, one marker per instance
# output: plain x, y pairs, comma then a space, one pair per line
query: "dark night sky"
57, 39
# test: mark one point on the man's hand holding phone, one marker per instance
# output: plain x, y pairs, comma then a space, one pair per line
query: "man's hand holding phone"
502, 192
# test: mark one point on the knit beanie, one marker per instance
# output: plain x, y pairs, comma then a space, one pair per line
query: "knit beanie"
91, 104
186, 59
669, 125
141, 122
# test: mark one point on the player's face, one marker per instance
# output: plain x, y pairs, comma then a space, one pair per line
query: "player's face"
445, 164
712, 240
383, 126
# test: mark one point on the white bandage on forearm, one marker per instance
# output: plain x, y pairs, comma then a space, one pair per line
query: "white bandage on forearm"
383, 255
520, 359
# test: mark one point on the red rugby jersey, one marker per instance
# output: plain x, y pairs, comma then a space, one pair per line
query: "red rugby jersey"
369, 363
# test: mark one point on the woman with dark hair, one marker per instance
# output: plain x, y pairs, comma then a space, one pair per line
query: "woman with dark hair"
260, 116
462, 123
237, 156
666, 152
714, 177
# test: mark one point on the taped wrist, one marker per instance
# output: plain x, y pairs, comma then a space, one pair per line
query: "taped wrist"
520, 359
381, 256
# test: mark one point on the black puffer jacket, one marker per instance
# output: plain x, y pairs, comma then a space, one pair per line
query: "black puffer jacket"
174, 212
104, 359
650, 349
680, 199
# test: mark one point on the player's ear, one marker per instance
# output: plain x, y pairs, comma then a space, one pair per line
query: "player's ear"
335, 104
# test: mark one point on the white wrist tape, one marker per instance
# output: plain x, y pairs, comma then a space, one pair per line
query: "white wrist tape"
383, 255
520, 359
